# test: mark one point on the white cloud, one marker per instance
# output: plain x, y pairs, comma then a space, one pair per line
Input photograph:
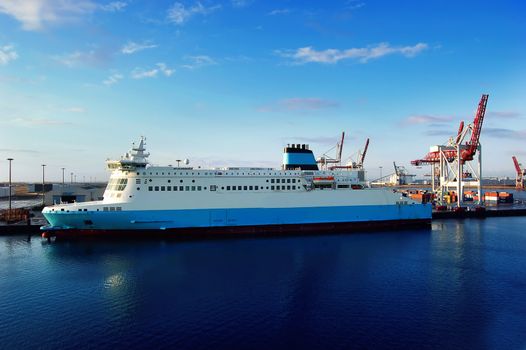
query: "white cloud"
112, 79
77, 58
300, 104
32, 122
76, 109
240, 3
161, 68
279, 12
7, 54
198, 61
132, 47
36, 14
427, 119
308, 54
180, 14
114, 6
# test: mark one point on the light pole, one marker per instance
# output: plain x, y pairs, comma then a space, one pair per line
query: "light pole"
43, 185
10, 160
63, 176
71, 178
380, 174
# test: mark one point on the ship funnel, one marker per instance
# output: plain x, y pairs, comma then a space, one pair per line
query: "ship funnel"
299, 157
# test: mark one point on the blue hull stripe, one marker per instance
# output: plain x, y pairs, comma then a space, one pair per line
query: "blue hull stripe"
166, 219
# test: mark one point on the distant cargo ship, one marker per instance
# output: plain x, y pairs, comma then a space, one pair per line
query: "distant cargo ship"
149, 199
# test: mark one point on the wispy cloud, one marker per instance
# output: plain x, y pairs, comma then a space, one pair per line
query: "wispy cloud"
354, 5
198, 61
277, 12
330, 56
34, 122
93, 58
241, 3
114, 6
35, 14
19, 150
132, 47
427, 119
7, 54
76, 109
504, 114
503, 133
112, 79
298, 104
160, 68
180, 14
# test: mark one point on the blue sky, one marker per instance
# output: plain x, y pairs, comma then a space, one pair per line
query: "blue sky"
229, 83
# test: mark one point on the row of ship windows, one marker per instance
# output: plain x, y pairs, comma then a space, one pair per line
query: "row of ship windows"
217, 173
138, 181
213, 188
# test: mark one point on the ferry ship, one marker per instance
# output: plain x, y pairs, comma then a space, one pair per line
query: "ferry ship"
142, 198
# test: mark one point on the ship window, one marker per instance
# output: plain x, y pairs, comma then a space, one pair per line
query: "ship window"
156, 173
288, 181
267, 180
245, 188
228, 188
119, 208
205, 188
150, 188
293, 187
223, 187
105, 209
187, 188
193, 180
112, 208
157, 188
199, 188
150, 180
239, 188
251, 188
162, 173
283, 187
138, 188
288, 187
233, 188
181, 188
85, 209
175, 188
137, 181
193, 188
163, 188
169, 181
168, 188
271, 180
80, 209
181, 181
212, 187
257, 188
271, 187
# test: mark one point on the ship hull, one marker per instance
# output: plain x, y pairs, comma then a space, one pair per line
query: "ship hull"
237, 231
240, 220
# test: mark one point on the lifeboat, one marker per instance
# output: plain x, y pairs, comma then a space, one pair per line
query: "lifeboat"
323, 180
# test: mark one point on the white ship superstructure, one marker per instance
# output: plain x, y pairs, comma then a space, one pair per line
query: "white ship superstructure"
144, 197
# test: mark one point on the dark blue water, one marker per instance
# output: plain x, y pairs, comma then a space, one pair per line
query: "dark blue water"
460, 285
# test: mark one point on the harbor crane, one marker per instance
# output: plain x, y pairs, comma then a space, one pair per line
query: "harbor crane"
520, 174
448, 161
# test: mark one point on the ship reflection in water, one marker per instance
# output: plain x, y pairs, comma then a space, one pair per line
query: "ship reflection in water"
458, 285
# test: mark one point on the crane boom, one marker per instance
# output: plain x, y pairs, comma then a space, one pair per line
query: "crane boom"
362, 158
517, 165
340, 149
459, 133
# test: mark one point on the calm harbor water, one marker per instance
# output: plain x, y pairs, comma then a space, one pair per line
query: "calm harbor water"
461, 284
